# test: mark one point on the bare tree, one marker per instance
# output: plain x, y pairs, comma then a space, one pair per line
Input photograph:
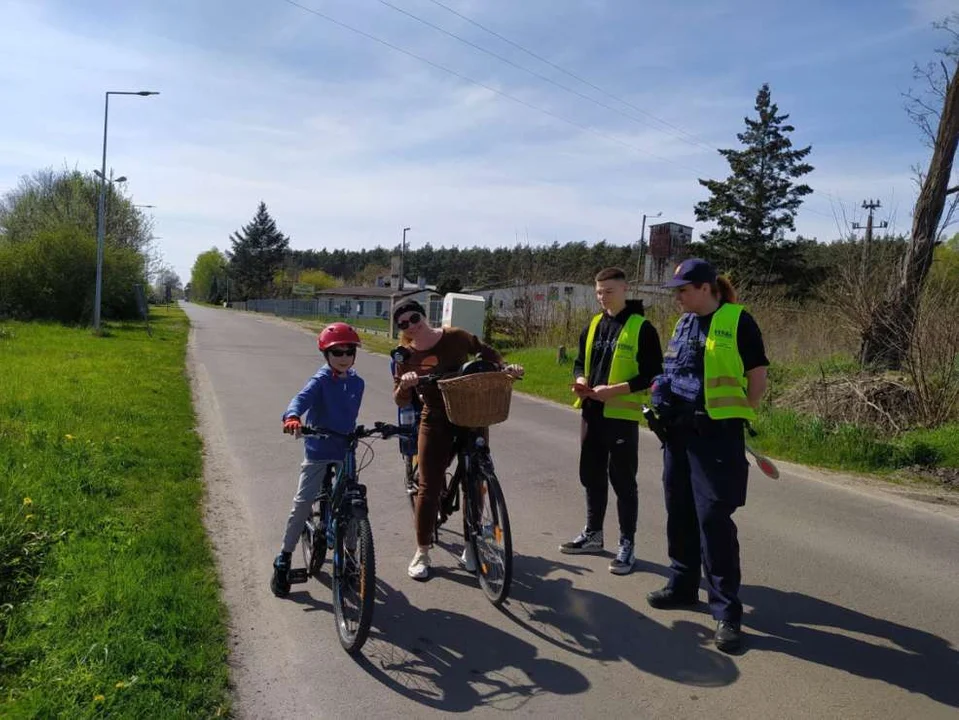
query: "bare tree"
887, 341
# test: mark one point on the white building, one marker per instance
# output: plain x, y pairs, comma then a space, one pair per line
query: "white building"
504, 299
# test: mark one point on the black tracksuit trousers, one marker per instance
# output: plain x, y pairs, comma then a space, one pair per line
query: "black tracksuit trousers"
610, 456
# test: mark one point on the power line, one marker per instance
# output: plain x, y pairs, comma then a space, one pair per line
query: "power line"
513, 98
550, 80
573, 75
501, 93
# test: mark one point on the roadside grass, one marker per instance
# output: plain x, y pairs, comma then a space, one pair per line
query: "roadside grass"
110, 604
783, 433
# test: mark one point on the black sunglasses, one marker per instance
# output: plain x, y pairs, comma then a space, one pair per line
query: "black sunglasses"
340, 352
414, 318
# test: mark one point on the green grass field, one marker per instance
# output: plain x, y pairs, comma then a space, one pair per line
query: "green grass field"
784, 434
110, 602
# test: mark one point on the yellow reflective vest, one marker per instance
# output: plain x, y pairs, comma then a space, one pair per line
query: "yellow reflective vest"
623, 368
724, 377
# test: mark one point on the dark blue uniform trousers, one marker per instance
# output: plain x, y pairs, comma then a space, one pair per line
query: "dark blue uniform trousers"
704, 479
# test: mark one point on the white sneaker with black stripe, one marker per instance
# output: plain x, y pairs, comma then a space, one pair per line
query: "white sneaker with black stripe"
587, 542
622, 564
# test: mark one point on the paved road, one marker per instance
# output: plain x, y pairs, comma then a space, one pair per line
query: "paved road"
850, 593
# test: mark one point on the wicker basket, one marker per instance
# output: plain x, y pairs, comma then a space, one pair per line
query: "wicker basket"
477, 400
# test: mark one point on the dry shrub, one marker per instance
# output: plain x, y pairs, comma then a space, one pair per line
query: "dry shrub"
932, 362
886, 402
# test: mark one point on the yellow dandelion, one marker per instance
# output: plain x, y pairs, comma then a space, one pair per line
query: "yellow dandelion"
121, 684
68, 436
27, 501
98, 698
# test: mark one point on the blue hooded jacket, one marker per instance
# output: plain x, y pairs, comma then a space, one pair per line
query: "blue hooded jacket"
328, 401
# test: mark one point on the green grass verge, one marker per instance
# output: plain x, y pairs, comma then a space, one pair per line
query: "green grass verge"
112, 607
785, 434
545, 377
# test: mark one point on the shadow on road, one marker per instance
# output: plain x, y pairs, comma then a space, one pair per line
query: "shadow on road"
450, 661
603, 628
811, 629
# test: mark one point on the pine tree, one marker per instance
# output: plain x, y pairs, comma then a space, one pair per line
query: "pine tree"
755, 206
257, 254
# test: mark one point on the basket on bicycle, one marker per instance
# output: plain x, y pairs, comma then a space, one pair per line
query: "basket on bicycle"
477, 400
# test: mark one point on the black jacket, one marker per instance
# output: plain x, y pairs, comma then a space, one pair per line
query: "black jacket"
649, 354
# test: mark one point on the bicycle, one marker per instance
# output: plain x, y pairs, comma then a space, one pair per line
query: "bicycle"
340, 519
486, 526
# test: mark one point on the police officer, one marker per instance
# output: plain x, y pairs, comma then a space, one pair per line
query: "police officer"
619, 355
714, 378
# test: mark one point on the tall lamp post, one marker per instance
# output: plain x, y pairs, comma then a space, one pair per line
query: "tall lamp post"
403, 258
101, 219
111, 180
642, 237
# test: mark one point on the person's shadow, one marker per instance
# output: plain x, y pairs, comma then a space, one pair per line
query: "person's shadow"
811, 629
600, 627
452, 662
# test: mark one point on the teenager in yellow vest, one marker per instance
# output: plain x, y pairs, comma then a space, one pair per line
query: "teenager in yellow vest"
714, 377
619, 355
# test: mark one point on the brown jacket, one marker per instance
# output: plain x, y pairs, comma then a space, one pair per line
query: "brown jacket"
448, 355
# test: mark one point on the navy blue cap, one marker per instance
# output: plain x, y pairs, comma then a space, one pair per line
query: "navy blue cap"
693, 270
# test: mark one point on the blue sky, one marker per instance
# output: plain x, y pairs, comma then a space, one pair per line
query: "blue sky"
349, 141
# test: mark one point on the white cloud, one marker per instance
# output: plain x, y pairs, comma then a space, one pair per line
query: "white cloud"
348, 142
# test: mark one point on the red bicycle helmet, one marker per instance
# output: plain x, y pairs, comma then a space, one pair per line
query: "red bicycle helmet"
337, 333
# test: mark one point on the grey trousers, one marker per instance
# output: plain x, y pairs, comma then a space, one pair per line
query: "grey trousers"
311, 481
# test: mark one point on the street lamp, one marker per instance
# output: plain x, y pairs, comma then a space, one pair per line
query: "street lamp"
101, 204
403, 258
111, 180
642, 237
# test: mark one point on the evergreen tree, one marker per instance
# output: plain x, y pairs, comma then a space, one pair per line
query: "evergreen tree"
755, 206
258, 250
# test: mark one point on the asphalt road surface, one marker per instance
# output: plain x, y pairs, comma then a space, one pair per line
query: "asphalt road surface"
850, 591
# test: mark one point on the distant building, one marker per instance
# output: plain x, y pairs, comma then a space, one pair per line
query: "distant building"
507, 298
375, 302
668, 246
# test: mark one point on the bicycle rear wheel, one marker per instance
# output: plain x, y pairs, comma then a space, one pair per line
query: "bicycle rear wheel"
354, 582
490, 535
411, 480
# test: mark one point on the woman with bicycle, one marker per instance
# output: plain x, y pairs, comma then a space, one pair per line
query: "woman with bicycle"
433, 351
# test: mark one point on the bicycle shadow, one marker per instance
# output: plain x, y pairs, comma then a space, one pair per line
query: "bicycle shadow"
603, 628
307, 594
452, 662
808, 628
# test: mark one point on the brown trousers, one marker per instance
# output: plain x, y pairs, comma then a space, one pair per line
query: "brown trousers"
435, 452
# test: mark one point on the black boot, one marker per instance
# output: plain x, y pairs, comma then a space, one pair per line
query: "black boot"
669, 599
729, 636
280, 582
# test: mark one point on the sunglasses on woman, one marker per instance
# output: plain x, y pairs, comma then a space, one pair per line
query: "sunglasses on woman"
340, 352
414, 318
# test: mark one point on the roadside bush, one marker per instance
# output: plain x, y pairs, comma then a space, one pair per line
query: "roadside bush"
52, 276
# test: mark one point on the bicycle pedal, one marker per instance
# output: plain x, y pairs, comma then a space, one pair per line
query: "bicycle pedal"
298, 575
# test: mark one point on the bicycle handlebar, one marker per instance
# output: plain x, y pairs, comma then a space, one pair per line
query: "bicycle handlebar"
381, 429
434, 378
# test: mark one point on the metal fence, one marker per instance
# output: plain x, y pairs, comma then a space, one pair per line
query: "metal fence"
318, 310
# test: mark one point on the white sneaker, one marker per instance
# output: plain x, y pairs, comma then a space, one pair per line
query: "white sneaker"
419, 568
468, 559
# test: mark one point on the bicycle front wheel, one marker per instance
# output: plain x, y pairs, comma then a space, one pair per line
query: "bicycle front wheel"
490, 535
354, 582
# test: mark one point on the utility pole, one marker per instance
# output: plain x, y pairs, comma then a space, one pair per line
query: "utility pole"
870, 205
642, 247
